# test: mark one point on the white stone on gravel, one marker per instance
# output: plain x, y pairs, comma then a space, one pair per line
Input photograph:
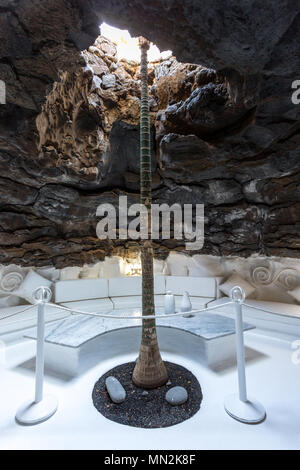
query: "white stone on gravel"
115, 390
176, 395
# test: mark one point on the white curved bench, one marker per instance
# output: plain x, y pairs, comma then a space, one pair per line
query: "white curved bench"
78, 342
107, 294
100, 295
126, 292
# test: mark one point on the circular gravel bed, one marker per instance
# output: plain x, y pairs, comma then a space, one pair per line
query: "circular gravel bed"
148, 410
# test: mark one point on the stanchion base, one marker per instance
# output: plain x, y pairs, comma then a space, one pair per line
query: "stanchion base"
251, 411
34, 413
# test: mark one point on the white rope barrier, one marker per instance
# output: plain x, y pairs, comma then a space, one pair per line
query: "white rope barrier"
137, 317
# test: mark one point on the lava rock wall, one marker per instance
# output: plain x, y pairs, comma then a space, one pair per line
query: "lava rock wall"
224, 129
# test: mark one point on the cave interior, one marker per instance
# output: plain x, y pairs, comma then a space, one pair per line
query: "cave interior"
224, 129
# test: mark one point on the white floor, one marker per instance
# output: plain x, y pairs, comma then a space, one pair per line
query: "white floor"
272, 378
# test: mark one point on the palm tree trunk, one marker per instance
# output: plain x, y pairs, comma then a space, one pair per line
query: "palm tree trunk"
150, 371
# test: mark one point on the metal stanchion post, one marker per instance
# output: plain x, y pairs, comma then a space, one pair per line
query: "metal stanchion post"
239, 406
43, 407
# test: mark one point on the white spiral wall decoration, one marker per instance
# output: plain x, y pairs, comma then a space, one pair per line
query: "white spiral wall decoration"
261, 275
10, 281
288, 278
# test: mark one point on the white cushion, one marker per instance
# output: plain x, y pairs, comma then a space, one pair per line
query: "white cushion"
236, 280
295, 293
80, 289
71, 273
195, 286
31, 282
9, 301
93, 305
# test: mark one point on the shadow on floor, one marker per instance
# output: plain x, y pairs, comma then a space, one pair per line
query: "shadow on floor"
251, 355
29, 366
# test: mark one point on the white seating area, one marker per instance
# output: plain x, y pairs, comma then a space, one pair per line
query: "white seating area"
93, 295
76, 343
117, 293
113, 284
123, 294
103, 295
100, 295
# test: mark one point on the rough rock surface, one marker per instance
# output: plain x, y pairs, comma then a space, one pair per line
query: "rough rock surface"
225, 131
89, 125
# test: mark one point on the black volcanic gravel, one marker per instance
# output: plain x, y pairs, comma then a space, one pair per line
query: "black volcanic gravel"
149, 410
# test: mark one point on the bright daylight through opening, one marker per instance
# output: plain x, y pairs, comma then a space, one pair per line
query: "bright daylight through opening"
128, 47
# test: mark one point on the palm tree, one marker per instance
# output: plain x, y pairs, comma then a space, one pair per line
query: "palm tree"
150, 371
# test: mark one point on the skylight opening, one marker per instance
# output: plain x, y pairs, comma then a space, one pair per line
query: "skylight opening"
128, 47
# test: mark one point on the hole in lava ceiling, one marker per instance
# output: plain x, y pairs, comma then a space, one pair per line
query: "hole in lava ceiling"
127, 46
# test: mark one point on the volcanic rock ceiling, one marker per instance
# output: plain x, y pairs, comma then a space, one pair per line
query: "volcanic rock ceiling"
225, 131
